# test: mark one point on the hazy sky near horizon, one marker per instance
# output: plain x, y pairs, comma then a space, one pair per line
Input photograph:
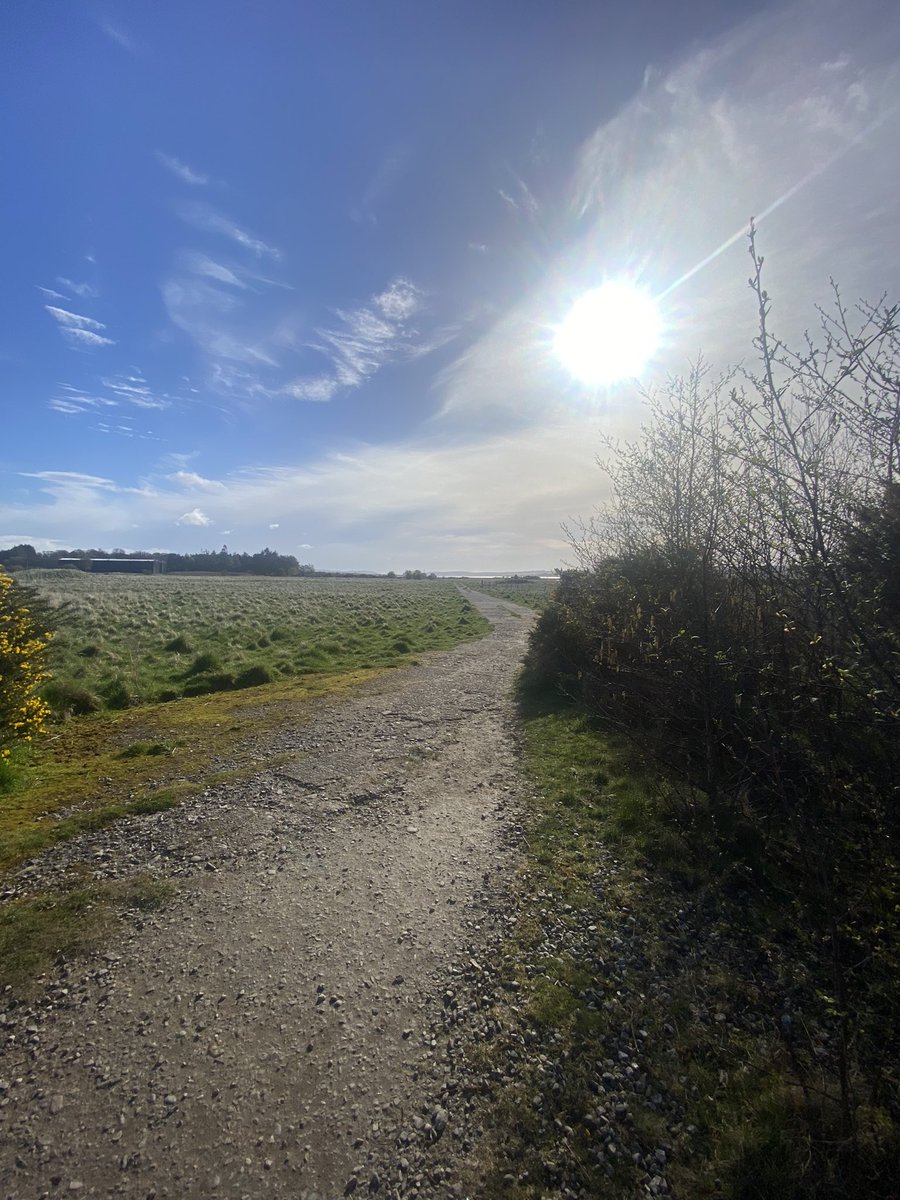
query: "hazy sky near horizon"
289, 274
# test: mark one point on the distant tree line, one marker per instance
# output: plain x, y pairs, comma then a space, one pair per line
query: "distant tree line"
216, 562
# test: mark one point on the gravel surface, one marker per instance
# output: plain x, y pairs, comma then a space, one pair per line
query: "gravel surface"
290, 1024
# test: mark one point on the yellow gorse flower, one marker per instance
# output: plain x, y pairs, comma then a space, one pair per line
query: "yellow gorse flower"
23, 648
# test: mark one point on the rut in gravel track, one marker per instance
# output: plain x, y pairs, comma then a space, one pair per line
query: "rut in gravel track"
267, 1033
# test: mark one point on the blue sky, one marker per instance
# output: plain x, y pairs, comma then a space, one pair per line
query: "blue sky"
289, 274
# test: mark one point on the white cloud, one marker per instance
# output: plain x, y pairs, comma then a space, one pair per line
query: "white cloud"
181, 170
78, 329
214, 304
67, 478
74, 400
367, 338
317, 388
8, 540
520, 198
399, 301
87, 338
118, 35
134, 389
73, 320
194, 517
189, 479
205, 218
275, 525
50, 293
122, 390
215, 319
86, 291
66, 407
200, 264
493, 503
75, 490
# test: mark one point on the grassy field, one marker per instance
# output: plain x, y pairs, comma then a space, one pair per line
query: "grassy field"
163, 685
159, 681
533, 593
131, 640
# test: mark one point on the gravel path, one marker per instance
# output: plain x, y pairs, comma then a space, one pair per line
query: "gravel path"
285, 1026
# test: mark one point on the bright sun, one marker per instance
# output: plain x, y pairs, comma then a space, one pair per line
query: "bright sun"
609, 334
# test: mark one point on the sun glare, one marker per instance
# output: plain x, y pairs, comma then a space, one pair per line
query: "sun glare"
609, 334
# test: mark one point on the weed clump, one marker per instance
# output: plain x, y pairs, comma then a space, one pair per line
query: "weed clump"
68, 699
139, 749
204, 662
202, 685
117, 695
178, 645
253, 676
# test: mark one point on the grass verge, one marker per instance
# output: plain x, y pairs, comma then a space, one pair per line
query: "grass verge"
35, 931
100, 768
665, 1003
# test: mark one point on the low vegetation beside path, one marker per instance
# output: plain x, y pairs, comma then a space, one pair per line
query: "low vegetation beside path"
665, 1031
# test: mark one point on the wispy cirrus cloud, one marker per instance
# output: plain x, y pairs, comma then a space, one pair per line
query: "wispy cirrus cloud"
519, 197
86, 291
317, 389
363, 340
248, 343
50, 293
78, 479
77, 329
208, 268
208, 220
383, 179
216, 320
70, 320
195, 482
70, 400
118, 35
134, 389
87, 337
114, 392
181, 170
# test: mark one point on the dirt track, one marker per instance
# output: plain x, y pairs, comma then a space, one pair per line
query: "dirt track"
272, 1031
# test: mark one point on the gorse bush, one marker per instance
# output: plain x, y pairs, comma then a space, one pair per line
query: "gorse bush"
23, 648
737, 614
